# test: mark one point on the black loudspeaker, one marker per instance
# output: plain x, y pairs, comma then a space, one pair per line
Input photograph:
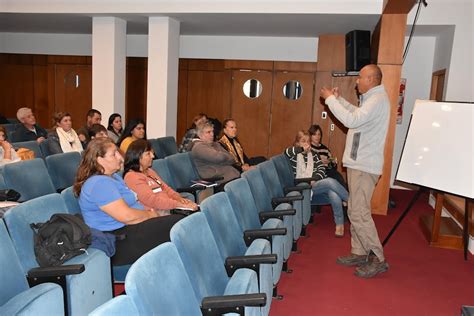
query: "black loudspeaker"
357, 50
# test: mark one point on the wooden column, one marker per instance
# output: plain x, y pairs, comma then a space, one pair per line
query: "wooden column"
387, 46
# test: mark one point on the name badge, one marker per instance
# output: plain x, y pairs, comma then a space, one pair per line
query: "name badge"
156, 190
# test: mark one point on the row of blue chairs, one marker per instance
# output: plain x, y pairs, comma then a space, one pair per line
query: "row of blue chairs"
236, 245
85, 281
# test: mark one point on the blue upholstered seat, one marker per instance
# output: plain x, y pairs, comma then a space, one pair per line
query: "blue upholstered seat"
121, 305
85, 291
30, 144
168, 145
202, 260
62, 168
16, 297
29, 177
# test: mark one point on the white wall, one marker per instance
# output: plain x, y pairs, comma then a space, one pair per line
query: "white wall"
417, 69
460, 75
250, 48
207, 47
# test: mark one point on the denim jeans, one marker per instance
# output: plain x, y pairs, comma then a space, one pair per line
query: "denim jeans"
329, 191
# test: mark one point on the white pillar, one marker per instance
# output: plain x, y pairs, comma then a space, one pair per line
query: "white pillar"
162, 86
109, 48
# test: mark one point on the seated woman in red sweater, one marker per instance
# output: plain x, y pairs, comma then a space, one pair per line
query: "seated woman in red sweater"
152, 192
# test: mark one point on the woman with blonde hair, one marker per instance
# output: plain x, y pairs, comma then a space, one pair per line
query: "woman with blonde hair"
63, 138
306, 163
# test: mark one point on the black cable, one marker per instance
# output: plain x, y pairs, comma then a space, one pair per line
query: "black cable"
413, 29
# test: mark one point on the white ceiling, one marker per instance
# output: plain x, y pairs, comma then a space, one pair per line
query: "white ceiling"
231, 24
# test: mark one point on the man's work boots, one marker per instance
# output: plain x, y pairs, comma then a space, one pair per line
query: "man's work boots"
371, 269
352, 260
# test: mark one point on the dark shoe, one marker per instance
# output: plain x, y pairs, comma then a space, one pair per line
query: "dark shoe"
352, 260
371, 269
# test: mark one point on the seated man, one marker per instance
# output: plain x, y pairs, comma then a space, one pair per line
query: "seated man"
210, 158
93, 117
230, 143
28, 129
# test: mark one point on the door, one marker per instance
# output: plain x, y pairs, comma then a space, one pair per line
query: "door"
73, 91
252, 113
292, 112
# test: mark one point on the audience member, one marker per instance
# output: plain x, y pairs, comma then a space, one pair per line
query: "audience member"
98, 131
93, 117
63, 138
210, 159
230, 143
325, 155
108, 205
305, 163
115, 127
7, 152
191, 135
28, 129
134, 130
152, 192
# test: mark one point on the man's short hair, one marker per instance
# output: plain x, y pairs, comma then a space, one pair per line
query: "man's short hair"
95, 129
91, 112
21, 113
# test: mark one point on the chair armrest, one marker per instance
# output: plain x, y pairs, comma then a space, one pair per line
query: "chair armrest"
181, 212
251, 262
305, 180
213, 179
192, 190
275, 214
286, 199
298, 188
218, 305
267, 233
56, 271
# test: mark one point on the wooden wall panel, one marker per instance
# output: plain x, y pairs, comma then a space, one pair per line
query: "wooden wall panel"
136, 89
206, 64
182, 123
391, 39
16, 88
40, 95
331, 52
208, 92
323, 78
252, 115
71, 96
289, 116
295, 66
249, 64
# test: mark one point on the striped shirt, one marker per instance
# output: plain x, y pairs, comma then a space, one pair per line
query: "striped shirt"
319, 171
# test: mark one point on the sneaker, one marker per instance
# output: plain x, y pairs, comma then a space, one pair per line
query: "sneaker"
352, 260
371, 269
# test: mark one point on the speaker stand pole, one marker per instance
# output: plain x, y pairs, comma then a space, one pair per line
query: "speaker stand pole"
405, 212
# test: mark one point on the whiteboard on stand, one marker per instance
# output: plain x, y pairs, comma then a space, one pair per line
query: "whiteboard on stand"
439, 148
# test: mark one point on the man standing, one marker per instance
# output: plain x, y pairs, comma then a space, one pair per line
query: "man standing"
363, 157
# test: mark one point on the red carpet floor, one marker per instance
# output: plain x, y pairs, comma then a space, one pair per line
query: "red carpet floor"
422, 280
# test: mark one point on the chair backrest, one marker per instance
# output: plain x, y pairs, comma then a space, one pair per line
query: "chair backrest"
160, 166
259, 189
271, 179
19, 218
155, 144
182, 169
224, 225
241, 198
62, 168
29, 177
168, 145
159, 284
283, 168
44, 148
12, 278
71, 201
121, 305
198, 250
9, 128
31, 144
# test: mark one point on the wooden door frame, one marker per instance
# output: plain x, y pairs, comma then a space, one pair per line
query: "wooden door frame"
434, 83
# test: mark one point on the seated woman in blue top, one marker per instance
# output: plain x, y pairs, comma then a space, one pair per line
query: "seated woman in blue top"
108, 205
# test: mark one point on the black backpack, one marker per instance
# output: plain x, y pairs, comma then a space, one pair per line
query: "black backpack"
62, 237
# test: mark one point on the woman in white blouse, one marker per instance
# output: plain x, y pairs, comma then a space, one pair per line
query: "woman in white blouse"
7, 152
63, 138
